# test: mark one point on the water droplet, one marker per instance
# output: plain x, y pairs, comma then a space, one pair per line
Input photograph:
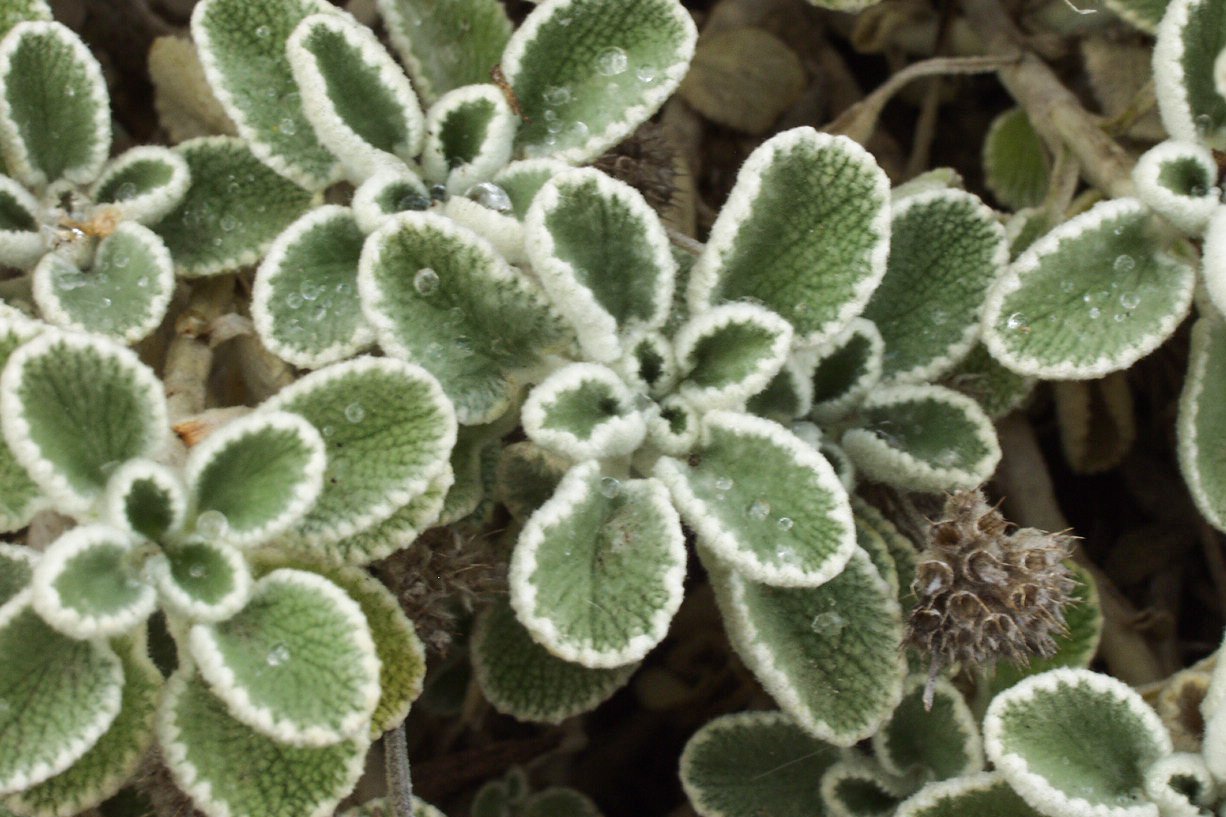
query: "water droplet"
438, 192
327, 431
556, 95
723, 484
263, 31
758, 510
1124, 263
491, 196
228, 223
612, 61
142, 281
580, 130
288, 126
278, 655
785, 523
425, 281
355, 412
126, 191
1119, 317
1067, 286
1016, 321
413, 201
1203, 122
197, 571
120, 261
294, 300
1130, 300
211, 524
1095, 312
828, 623
646, 74
1197, 190
610, 487
106, 302
310, 290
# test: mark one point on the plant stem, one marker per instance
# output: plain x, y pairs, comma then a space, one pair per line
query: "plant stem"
189, 360
399, 781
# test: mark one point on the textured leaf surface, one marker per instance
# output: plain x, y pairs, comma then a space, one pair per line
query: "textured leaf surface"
587, 73
55, 117
763, 501
521, 678
203, 580
597, 572
143, 184
103, 770
242, 51
74, 407
584, 411
923, 438
1191, 36
828, 655
996, 389
805, 231
729, 353
1179, 181
297, 663
858, 788
754, 763
1144, 14
1075, 742
446, 51
936, 743
441, 296
19, 495
20, 11
1092, 296
16, 568
1202, 420
399, 530
985, 793
469, 132
527, 476
1015, 162
305, 300
846, 369
946, 251
21, 243
228, 769
59, 694
233, 210
388, 431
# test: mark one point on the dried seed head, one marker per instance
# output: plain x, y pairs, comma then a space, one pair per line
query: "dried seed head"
984, 592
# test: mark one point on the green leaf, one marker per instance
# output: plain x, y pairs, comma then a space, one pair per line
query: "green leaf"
441, 296
762, 501
729, 353
19, 11
583, 411
855, 787
805, 231
996, 389
527, 476
212, 757
598, 70
923, 438
21, 243
233, 210
1179, 181
388, 430
1075, 742
1091, 297
946, 251
1202, 420
262, 473
847, 368
100, 773
201, 580
76, 406
933, 743
16, 569
59, 696
903, 555
1015, 162
522, 180
469, 132
379, 808
86, 585
144, 184
242, 49
601, 253
20, 496
55, 117
558, 801
360, 103
398, 531
521, 678
1181, 785
297, 663
386, 193
872, 541
1213, 266
985, 793
597, 572
124, 293
447, 49
754, 763
1144, 14
787, 396
1191, 36
828, 655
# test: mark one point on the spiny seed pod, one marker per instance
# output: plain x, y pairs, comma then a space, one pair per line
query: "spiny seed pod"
985, 592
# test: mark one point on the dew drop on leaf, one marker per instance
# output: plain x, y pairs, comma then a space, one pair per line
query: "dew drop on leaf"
355, 413
490, 196
425, 281
610, 487
785, 523
612, 61
278, 655
828, 623
758, 510
211, 524
1124, 263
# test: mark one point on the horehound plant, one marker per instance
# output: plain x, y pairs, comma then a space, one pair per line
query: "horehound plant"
289, 657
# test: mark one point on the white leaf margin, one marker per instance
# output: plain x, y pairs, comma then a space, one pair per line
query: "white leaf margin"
660, 432
366, 210
1189, 213
114, 503
963, 719
1034, 788
1170, 801
1169, 83
501, 230
934, 794
496, 144
855, 767
191, 608
1188, 439
203, 645
828, 411
152, 205
614, 437
21, 248
574, 489
715, 320
1213, 259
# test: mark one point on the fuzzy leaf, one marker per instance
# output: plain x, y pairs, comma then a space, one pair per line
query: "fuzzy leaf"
124, 294
1015, 162
1202, 420
262, 473
527, 476
521, 678
872, 541
86, 587
20, 496
985, 793
1191, 36
923, 438
76, 406
1075, 742
441, 296
828, 655
398, 531
729, 353
242, 50
597, 572
1181, 785
584, 411
59, 696
16, 569
445, 50
144, 184
469, 132
21, 243
805, 231
857, 788
847, 368
946, 251
106, 767
233, 210
1092, 296
201, 580
587, 72
754, 763
903, 555
1179, 181
388, 430
386, 193
20, 11
1213, 264
937, 743
55, 116
522, 180
603, 256
297, 663
212, 757
762, 501
996, 389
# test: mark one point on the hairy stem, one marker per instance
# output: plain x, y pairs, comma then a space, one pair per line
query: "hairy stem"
189, 360
399, 781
